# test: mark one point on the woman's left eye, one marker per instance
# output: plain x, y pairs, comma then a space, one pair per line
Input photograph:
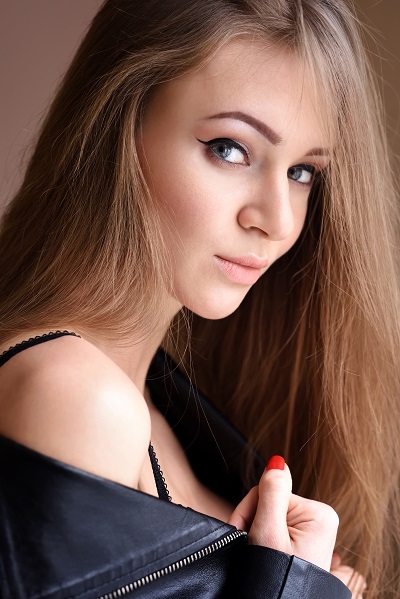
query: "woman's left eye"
302, 173
227, 150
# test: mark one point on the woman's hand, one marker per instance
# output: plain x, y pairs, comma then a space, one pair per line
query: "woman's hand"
276, 518
352, 579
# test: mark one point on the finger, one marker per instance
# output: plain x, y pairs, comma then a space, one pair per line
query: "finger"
352, 579
336, 561
243, 515
357, 584
269, 527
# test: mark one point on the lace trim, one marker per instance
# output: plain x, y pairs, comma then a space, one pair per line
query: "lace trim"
161, 485
32, 341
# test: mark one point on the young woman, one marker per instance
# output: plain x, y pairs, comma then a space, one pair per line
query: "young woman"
212, 177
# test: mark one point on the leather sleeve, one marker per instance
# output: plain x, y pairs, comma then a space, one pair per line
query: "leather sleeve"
270, 574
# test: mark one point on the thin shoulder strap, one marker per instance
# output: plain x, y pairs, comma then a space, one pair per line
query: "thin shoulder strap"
162, 488
16, 349
161, 485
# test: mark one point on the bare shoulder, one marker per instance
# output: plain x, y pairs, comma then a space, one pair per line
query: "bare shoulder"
68, 400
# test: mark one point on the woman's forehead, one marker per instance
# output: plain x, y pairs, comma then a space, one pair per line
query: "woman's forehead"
250, 77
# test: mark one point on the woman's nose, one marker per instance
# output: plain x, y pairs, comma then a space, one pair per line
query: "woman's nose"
269, 209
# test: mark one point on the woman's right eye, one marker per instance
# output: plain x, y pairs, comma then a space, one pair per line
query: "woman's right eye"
227, 150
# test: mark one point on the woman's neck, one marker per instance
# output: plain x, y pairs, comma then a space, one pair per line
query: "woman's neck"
134, 357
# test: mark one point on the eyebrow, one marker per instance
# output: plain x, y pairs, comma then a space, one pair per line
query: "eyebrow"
274, 138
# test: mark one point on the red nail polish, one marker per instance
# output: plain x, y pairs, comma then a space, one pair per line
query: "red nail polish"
275, 463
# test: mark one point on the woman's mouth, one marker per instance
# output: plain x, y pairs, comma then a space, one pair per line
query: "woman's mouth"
245, 270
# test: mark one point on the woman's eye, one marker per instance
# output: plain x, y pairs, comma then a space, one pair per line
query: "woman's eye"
302, 173
227, 150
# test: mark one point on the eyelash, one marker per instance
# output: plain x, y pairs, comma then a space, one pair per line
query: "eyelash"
229, 143
310, 168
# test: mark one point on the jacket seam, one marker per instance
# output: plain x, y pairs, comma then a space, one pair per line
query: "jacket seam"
286, 576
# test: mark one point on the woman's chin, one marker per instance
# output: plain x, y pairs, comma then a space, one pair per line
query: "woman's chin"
214, 309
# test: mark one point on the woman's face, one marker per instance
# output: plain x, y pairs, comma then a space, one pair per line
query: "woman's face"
229, 153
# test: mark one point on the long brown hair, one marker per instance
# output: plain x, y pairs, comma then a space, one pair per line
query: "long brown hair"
307, 366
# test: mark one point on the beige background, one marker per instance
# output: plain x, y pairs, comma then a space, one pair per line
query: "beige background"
38, 39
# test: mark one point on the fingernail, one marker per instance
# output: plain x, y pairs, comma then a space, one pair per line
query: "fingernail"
275, 463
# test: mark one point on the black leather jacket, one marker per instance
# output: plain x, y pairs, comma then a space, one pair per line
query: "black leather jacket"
68, 534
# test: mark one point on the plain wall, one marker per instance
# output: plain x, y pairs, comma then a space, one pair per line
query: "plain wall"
38, 39
382, 18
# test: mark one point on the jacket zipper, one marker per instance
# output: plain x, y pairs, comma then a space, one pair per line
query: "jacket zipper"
120, 592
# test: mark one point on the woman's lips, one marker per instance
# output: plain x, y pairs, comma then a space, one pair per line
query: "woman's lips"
245, 270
